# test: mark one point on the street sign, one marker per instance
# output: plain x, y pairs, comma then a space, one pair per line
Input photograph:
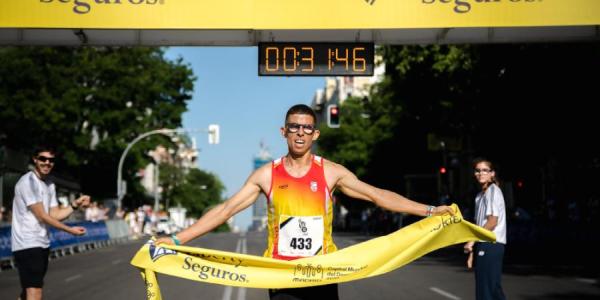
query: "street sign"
316, 59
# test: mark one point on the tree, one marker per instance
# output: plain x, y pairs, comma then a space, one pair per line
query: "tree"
508, 102
90, 102
198, 192
420, 93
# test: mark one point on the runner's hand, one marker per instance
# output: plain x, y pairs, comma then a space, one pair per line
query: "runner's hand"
164, 240
442, 209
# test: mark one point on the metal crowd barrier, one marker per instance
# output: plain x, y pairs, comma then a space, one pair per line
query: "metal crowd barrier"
99, 234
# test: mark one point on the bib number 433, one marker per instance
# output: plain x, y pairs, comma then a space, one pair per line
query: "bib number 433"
301, 243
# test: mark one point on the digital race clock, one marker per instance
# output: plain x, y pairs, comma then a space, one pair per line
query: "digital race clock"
315, 59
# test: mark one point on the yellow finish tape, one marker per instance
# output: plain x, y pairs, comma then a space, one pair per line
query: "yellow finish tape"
367, 259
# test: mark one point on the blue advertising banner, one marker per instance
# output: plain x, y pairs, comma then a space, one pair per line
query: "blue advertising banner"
5, 242
96, 231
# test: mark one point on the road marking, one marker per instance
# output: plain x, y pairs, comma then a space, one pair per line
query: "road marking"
227, 293
242, 291
229, 289
116, 261
74, 277
444, 293
241, 294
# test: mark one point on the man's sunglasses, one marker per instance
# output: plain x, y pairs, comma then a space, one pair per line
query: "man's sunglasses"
294, 127
45, 159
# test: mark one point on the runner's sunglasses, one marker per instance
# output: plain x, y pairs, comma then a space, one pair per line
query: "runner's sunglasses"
294, 127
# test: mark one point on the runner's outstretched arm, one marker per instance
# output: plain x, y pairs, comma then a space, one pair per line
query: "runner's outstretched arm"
222, 212
350, 185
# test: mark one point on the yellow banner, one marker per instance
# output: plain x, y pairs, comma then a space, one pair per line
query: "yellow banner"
367, 259
288, 14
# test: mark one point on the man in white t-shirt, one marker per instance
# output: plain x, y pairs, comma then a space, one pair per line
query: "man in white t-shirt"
34, 207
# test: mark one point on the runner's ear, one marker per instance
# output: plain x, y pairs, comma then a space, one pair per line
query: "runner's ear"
316, 134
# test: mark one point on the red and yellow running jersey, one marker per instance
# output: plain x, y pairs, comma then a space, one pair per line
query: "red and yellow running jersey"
300, 213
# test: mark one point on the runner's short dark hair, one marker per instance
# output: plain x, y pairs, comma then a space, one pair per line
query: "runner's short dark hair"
301, 109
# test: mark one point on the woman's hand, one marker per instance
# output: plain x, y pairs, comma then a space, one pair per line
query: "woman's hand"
469, 247
470, 261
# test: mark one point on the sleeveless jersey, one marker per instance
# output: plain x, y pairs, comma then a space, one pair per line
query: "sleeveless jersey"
300, 213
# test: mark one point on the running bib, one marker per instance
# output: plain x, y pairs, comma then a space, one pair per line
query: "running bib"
300, 236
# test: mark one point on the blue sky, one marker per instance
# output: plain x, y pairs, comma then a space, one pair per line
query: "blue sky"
248, 108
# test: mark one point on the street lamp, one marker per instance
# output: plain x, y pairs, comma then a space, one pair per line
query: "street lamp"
213, 137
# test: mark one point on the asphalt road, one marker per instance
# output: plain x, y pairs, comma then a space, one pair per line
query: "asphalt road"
106, 274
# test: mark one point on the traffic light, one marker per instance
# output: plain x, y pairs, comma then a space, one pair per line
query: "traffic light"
333, 116
213, 134
443, 170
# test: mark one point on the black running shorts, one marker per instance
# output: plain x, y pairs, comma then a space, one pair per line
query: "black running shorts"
325, 292
32, 264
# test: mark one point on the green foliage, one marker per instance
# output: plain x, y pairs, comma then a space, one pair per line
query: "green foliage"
350, 144
421, 93
383, 137
90, 102
508, 102
198, 192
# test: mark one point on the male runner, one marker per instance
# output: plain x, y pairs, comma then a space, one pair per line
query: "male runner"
298, 187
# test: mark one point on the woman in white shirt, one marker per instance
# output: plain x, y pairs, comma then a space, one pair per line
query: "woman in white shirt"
490, 213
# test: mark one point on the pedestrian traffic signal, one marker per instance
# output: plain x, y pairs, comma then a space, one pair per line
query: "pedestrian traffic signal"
333, 116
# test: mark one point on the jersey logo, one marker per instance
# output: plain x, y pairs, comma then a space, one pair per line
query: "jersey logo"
283, 186
313, 186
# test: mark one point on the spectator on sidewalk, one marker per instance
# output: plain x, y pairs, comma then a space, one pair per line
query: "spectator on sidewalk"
92, 213
102, 212
490, 213
35, 206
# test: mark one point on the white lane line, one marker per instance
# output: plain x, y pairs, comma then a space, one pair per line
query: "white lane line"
114, 262
227, 293
74, 277
241, 294
444, 293
228, 289
242, 291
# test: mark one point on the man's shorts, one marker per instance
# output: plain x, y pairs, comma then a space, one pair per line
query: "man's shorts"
325, 292
32, 264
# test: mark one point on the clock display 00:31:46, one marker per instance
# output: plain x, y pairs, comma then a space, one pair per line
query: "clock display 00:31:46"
316, 59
